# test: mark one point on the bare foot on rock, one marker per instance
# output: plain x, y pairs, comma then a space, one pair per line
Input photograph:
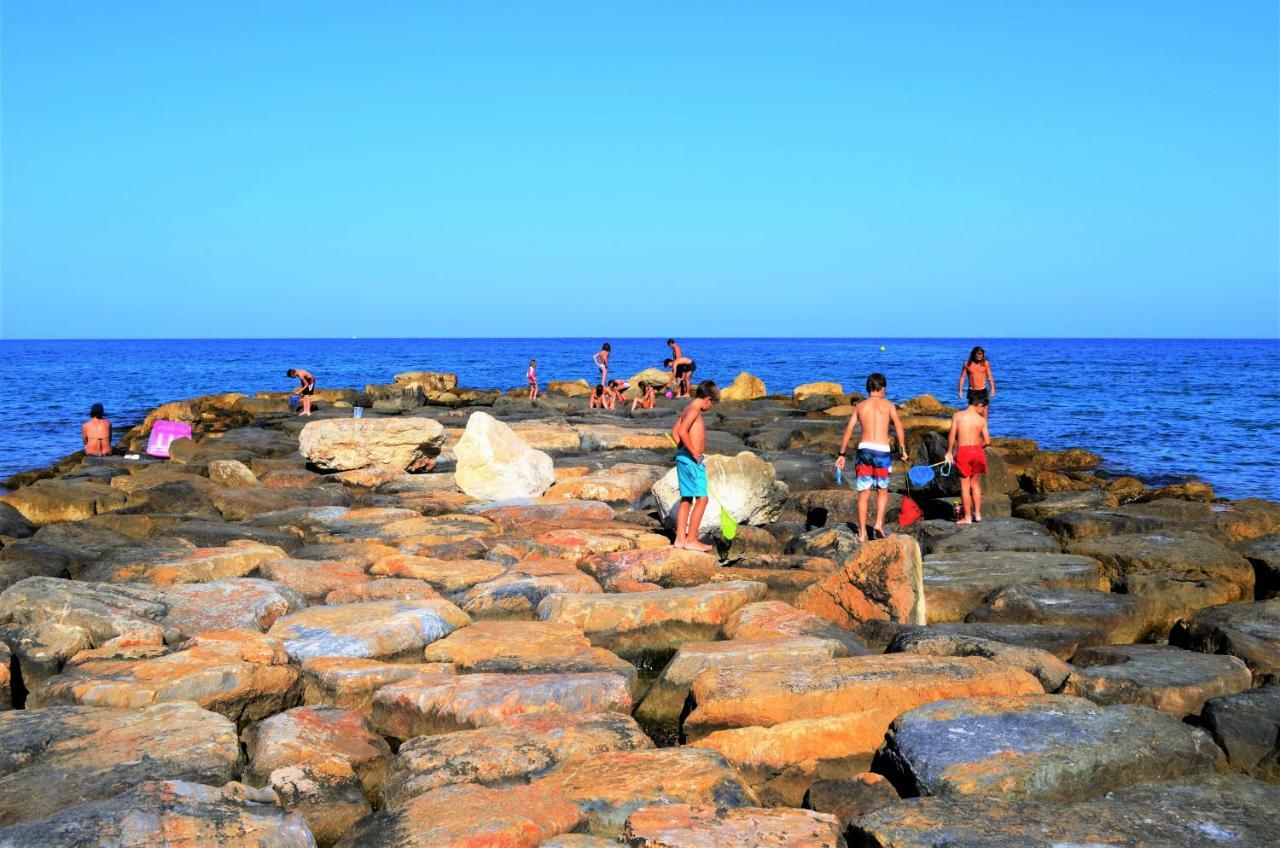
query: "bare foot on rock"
963, 521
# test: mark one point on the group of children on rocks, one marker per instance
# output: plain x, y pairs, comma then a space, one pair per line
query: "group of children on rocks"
967, 442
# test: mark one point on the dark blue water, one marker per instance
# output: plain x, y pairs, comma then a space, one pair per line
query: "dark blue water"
1161, 410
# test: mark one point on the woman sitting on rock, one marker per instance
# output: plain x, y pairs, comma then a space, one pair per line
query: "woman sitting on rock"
96, 433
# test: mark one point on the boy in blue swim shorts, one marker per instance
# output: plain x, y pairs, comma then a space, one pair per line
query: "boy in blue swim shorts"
873, 460
690, 436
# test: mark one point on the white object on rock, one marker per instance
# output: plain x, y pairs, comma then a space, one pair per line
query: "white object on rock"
745, 484
494, 463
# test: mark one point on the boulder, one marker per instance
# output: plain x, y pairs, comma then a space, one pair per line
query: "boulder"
613, 437
745, 485
242, 675
668, 568
1250, 631
349, 684
609, 787
189, 565
314, 579
624, 484
446, 576
232, 473
467, 816
494, 463
994, 534
1062, 641
955, 584
53, 758
1044, 666
323, 763
851, 797
1058, 503
779, 620
823, 389
344, 444
1188, 556
525, 647
696, 826
51, 501
382, 589
548, 435
13, 525
883, 580
516, 595
646, 628
744, 387
661, 709
1162, 677
1263, 554
570, 388
427, 706
244, 603
1199, 810
508, 753
155, 812
1044, 748
1109, 618
388, 630
1247, 726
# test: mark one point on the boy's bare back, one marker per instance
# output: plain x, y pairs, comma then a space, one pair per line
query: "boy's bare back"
971, 428
874, 415
696, 439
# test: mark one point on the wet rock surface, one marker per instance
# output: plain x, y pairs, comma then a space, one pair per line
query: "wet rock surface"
291, 633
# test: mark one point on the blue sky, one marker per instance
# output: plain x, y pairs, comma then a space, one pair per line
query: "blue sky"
968, 169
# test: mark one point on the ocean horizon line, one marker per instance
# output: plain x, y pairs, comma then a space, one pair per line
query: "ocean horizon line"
639, 338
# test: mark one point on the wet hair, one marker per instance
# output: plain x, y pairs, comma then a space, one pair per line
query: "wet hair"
292, 372
597, 391
533, 362
876, 382
973, 354
607, 346
671, 341
96, 411
668, 361
980, 400
707, 389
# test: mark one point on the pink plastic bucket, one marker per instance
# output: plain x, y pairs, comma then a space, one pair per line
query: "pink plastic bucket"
164, 432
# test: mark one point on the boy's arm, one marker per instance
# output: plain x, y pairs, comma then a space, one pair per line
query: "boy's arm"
991, 379
897, 427
951, 439
986, 435
679, 430
844, 440
964, 371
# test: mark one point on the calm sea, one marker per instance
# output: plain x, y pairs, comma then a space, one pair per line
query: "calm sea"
1161, 410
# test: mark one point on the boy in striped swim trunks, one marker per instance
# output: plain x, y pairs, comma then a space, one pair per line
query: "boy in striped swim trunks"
873, 461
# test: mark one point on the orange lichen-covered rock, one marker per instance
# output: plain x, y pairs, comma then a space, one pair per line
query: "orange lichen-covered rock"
241, 674
708, 826
507, 753
313, 579
199, 565
525, 647
444, 575
668, 567
61, 756
416, 706
610, 787
779, 620
762, 698
349, 683
882, 581
469, 816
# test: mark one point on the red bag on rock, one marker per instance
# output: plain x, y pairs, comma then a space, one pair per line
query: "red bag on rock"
909, 513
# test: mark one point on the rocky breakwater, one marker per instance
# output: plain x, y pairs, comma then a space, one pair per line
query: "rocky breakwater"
285, 636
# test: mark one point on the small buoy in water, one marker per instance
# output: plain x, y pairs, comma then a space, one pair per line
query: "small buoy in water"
882, 347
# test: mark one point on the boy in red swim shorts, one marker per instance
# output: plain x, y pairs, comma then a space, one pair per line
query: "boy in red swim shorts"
969, 432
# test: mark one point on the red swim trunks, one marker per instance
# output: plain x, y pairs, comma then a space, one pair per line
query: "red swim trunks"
971, 460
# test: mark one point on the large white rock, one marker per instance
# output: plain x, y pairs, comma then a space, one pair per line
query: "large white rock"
345, 444
494, 463
745, 484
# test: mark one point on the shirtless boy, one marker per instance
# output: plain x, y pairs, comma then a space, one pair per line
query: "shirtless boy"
969, 431
306, 387
873, 461
681, 374
601, 359
977, 370
532, 375
690, 435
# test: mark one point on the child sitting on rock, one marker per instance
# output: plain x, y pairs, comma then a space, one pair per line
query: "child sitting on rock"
969, 430
690, 436
597, 397
647, 399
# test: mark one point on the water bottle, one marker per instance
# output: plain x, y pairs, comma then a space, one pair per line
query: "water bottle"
357, 412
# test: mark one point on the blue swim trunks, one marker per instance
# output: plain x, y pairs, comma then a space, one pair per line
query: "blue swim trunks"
692, 475
873, 469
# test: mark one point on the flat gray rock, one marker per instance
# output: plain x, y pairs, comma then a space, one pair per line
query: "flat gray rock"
1247, 726
994, 534
1162, 677
955, 584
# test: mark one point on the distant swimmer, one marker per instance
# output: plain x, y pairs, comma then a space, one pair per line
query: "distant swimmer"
873, 460
96, 432
977, 370
967, 448
601, 359
306, 387
532, 375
